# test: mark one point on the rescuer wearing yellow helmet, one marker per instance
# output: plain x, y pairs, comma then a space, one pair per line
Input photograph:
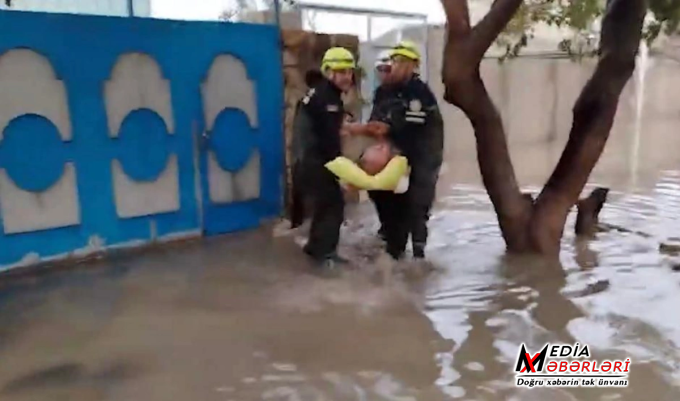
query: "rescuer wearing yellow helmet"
317, 126
409, 108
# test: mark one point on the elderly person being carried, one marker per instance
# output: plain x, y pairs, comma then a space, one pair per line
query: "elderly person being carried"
380, 167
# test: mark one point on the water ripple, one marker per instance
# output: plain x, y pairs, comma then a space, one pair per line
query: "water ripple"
614, 293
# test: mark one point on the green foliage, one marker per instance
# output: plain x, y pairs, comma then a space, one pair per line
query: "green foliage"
579, 20
235, 12
666, 18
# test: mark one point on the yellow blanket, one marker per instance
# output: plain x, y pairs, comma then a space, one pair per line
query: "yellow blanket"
387, 180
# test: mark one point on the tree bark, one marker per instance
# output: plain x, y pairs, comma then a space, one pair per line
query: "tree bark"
538, 226
465, 89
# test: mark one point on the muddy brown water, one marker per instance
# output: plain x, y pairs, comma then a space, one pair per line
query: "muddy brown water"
243, 318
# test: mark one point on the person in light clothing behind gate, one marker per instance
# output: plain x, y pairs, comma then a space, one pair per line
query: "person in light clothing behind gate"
383, 66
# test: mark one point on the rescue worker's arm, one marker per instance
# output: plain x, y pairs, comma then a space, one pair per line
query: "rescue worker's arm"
327, 119
375, 129
423, 118
376, 126
377, 101
353, 128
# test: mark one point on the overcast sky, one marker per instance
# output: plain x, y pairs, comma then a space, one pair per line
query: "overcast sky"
210, 9
316, 21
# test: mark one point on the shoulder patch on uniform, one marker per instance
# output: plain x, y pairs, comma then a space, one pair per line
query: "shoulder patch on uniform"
416, 120
308, 96
415, 109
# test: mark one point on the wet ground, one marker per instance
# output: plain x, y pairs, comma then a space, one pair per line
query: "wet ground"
243, 318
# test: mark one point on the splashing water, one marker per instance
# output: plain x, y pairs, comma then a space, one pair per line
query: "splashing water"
640, 76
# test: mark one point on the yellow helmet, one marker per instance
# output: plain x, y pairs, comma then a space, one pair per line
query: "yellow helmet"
407, 49
338, 58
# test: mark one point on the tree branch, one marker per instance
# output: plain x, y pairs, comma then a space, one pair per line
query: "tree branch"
456, 66
457, 17
470, 44
457, 31
594, 110
494, 22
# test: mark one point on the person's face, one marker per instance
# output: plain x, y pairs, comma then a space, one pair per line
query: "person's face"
343, 79
383, 72
402, 68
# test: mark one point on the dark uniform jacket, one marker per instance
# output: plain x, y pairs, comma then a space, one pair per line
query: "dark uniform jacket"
316, 141
416, 124
316, 129
416, 128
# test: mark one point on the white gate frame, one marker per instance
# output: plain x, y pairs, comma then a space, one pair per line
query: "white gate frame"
367, 61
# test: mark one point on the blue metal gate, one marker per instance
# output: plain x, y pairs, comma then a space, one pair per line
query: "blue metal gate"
121, 131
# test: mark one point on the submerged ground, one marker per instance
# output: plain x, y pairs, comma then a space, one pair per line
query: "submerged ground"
243, 318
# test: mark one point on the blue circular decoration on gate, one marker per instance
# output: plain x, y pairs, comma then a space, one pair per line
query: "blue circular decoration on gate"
33, 152
144, 149
232, 139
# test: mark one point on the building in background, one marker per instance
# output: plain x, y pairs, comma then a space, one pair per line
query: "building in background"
122, 8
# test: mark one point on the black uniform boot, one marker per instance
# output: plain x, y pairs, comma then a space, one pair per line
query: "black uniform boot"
418, 251
382, 233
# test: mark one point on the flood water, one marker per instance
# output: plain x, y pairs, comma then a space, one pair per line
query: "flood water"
243, 317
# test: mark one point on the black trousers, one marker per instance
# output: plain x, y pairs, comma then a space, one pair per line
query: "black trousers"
392, 211
322, 188
377, 198
406, 215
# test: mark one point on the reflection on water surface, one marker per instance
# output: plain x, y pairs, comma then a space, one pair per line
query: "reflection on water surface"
242, 318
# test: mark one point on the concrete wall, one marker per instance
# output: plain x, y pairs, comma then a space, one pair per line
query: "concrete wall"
535, 95
153, 131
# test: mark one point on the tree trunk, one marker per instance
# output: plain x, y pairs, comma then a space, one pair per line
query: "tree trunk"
527, 225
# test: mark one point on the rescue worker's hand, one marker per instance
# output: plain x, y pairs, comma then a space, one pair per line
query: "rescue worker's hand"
349, 188
345, 131
353, 129
377, 128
